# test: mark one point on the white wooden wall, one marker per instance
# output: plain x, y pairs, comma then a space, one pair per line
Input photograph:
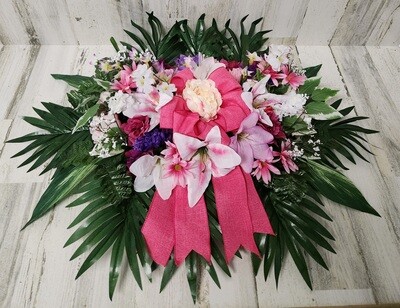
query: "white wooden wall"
305, 22
34, 268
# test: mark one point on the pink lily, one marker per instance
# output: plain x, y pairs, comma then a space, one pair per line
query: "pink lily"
251, 142
147, 105
125, 82
211, 158
254, 98
293, 79
264, 168
285, 157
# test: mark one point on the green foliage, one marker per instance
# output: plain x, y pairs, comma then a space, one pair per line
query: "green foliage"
87, 91
169, 271
211, 41
291, 204
322, 111
164, 45
309, 86
247, 41
73, 80
341, 137
203, 39
57, 139
312, 71
321, 95
335, 186
111, 219
86, 117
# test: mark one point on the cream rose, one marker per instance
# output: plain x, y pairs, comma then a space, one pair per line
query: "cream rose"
202, 97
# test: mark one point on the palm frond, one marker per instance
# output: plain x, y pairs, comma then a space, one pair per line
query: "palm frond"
247, 41
164, 45
342, 137
110, 219
291, 206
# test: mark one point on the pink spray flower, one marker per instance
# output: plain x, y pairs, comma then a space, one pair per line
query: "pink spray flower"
177, 172
171, 152
285, 157
265, 167
164, 174
251, 142
293, 79
266, 69
125, 82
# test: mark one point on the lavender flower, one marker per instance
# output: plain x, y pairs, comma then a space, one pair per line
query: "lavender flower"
185, 61
152, 140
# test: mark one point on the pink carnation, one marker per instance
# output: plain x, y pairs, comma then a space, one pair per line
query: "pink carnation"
135, 127
276, 129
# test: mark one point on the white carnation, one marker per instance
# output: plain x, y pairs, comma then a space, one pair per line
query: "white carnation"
118, 102
291, 104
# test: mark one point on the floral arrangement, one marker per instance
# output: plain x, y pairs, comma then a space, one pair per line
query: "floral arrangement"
192, 144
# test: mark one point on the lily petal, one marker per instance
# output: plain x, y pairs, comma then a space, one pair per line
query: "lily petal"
249, 122
144, 166
164, 99
247, 97
206, 67
143, 184
187, 146
165, 187
223, 156
246, 154
198, 185
260, 87
214, 136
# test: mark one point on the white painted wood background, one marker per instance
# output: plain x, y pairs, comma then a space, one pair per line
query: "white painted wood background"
34, 268
305, 22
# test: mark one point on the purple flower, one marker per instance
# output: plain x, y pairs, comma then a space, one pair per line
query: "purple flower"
185, 61
251, 142
152, 140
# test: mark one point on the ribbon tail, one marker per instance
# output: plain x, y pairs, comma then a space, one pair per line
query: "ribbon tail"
191, 227
233, 213
259, 217
158, 229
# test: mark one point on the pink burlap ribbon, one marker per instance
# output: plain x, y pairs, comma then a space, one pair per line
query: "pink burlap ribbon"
171, 225
240, 212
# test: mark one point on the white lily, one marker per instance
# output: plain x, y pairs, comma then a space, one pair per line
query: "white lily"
210, 157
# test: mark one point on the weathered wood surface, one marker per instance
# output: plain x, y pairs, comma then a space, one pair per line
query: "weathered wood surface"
309, 22
34, 268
